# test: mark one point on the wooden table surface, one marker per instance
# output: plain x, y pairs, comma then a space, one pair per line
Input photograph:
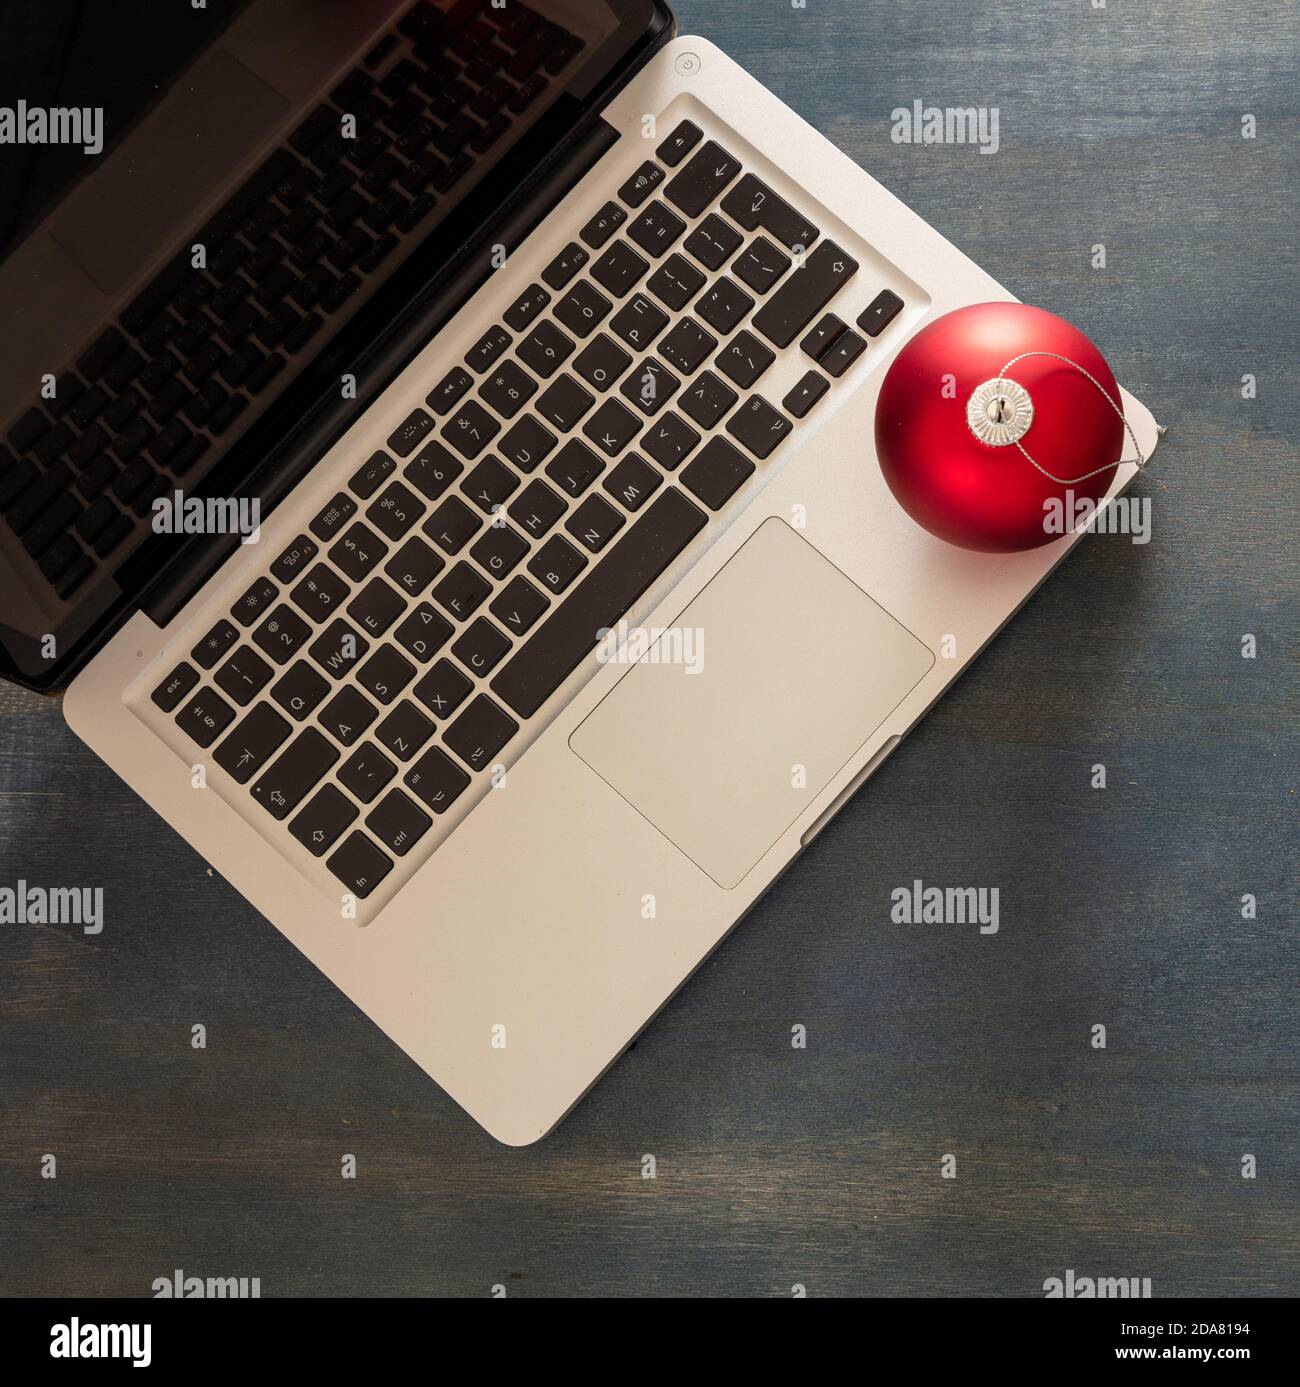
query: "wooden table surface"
1121, 907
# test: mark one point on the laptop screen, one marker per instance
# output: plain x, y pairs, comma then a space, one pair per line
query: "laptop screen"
207, 209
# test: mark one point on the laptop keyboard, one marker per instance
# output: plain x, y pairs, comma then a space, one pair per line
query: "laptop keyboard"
391, 653
289, 250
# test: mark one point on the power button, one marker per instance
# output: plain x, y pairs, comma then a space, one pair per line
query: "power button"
687, 64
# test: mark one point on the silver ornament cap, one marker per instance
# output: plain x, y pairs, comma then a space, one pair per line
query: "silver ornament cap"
999, 412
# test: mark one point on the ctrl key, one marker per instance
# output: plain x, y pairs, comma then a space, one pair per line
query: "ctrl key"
359, 865
177, 684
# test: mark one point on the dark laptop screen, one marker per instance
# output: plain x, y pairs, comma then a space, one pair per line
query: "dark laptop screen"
200, 202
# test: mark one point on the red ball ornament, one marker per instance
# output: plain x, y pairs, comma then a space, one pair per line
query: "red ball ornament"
958, 440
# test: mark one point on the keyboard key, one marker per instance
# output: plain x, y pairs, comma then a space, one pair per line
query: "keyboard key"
707, 399
480, 732
717, 473
517, 606
294, 560
498, 550
612, 427
537, 507
255, 601
299, 690
752, 204
347, 715
407, 436
603, 225
806, 394
725, 304
650, 386
707, 174
642, 183
452, 525
205, 716
359, 865
880, 312
319, 593
307, 759
556, 564
601, 362
483, 354
423, 633
582, 308
376, 607
679, 144
594, 523
821, 337
404, 731
744, 359
177, 684
804, 294
214, 645
655, 230
633, 482
573, 469
565, 265
414, 566
490, 485
508, 389
630, 566
366, 772
480, 647
358, 552
281, 634
386, 673
366, 480
446, 395
761, 265
564, 403
639, 321
244, 675
462, 591
758, 426
524, 311
397, 822
432, 470
338, 649
713, 242
669, 441
437, 779
395, 511
848, 347
471, 430
676, 282
545, 349
443, 689
528, 442
687, 346
253, 742
340, 510
618, 270
323, 818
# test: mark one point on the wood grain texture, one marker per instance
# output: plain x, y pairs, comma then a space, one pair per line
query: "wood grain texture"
777, 1166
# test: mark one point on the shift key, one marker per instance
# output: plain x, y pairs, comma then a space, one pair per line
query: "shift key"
805, 293
308, 758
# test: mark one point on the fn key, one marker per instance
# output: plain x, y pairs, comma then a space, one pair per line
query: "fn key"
359, 865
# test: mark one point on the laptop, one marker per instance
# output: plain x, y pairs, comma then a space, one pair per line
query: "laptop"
573, 604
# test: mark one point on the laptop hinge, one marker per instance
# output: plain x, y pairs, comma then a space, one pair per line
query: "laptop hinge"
377, 366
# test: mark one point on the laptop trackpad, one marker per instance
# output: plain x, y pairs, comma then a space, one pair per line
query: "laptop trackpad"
746, 708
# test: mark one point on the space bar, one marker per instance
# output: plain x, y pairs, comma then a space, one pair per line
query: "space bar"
604, 595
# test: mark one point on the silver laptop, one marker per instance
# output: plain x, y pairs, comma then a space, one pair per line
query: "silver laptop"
578, 605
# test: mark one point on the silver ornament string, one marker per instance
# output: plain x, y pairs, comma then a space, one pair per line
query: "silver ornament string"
1140, 461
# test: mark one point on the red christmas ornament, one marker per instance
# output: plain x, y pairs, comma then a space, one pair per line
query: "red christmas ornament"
979, 406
